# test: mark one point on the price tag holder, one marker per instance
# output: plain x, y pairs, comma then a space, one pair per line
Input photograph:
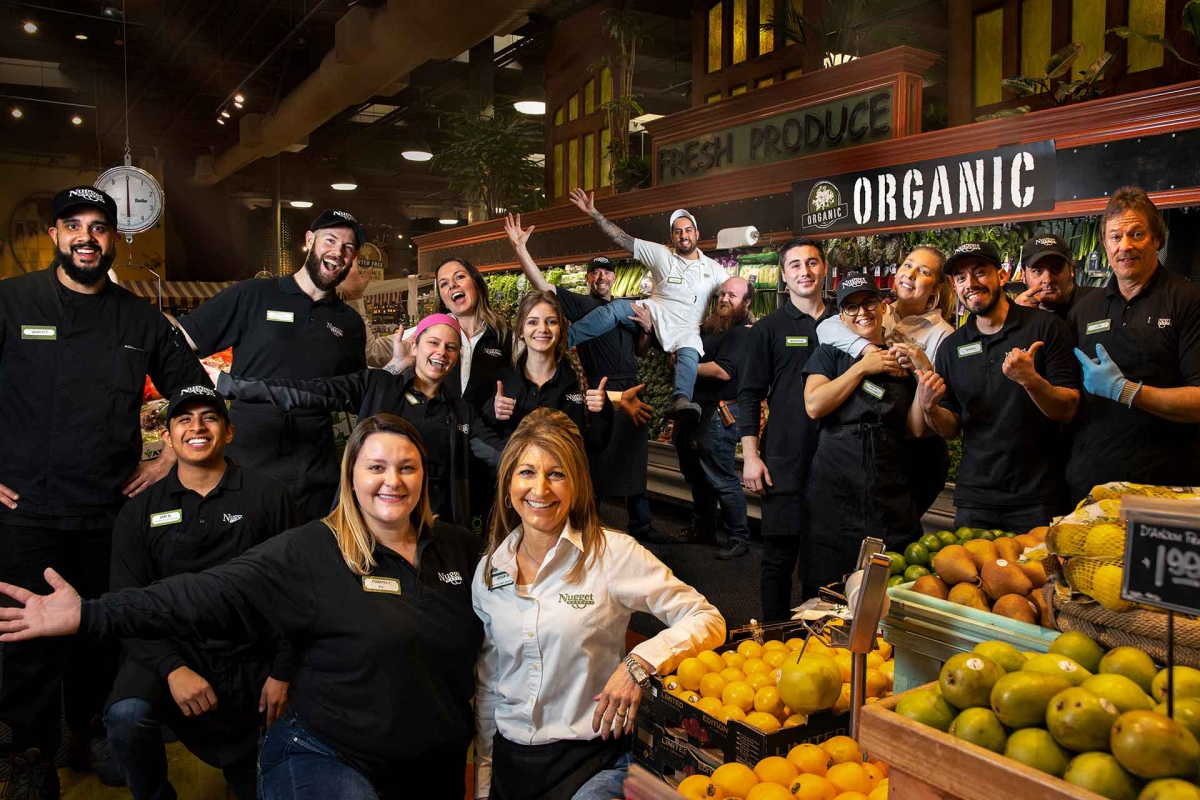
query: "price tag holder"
1162, 553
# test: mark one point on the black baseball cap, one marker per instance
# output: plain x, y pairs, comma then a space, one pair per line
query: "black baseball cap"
600, 262
84, 196
985, 251
333, 218
1043, 246
188, 395
856, 283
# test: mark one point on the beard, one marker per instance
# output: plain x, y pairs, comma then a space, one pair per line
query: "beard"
312, 265
84, 276
992, 301
723, 320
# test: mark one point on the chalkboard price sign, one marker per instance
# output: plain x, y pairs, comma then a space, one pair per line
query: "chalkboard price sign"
1162, 553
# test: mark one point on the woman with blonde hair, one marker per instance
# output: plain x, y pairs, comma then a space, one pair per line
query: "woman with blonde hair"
374, 601
555, 591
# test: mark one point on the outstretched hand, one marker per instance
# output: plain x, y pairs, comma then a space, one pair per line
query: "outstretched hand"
584, 201
517, 236
54, 614
402, 352
634, 407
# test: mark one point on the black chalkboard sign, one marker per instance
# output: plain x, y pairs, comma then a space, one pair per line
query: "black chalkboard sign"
1162, 553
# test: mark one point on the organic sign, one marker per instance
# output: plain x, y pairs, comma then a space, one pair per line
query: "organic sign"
1162, 553
1008, 180
845, 122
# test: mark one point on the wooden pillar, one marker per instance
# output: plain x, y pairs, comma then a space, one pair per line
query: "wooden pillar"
960, 83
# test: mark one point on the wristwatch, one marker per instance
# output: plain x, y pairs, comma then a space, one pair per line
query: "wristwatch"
639, 674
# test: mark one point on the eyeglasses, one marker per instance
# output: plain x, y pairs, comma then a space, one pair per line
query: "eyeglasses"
870, 305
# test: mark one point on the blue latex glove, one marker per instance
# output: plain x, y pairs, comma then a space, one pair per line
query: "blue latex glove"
1101, 377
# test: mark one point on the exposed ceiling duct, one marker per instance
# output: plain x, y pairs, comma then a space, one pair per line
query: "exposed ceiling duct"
374, 50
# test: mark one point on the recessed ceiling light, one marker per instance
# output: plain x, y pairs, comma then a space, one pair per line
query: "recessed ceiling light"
220, 121
76, 120
225, 114
30, 27
239, 98
301, 203
344, 183
399, 235
531, 107
81, 37
237, 105
17, 113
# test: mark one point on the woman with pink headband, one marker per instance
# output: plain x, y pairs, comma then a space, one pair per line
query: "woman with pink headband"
448, 425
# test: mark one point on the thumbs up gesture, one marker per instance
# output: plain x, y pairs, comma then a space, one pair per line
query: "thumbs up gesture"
595, 397
504, 405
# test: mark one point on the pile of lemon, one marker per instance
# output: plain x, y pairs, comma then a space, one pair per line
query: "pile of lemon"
833, 770
741, 684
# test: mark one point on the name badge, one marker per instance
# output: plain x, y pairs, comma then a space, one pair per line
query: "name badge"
1099, 326
280, 316
973, 349
44, 332
500, 579
675, 279
411, 398
796, 341
380, 585
873, 389
166, 518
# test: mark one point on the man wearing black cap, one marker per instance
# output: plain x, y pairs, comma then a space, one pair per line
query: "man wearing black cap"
1009, 368
75, 350
620, 469
291, 327
1049, 269
212, 694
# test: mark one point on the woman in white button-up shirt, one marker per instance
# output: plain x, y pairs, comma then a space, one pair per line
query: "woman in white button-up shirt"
555, 593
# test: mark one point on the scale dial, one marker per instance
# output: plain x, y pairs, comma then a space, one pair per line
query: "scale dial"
139, 197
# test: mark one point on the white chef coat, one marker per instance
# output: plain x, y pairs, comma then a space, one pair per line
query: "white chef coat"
924, 330
549, 649
681, 291
465, 351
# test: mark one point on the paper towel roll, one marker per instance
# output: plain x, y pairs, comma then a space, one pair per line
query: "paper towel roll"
729, 238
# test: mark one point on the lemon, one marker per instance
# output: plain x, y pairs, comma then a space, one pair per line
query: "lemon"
750, 649
845, 661
774, 657
849, 777
769, 791
733, 658
711, 660
710, 705
734, 779
738, 694
761, 680
810, 758
842, 749
880, 792
775, 644
727, 713
712, 684
874, 660
1105, 539
690, 671
1111, 506
731, 674
764, 722
794, 720
767, 701
754, 665
794, 644
812, 787
877, 683
777, 770
1106, 588
843, 702
671, 684
888, 670
883, 647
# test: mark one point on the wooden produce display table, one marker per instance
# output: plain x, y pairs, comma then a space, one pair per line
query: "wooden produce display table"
926, 764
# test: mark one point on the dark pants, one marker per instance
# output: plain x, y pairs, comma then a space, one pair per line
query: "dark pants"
39, 676
295, 765
706, 459
637, 507
553, 771
1020, 519
134, 728
784, 538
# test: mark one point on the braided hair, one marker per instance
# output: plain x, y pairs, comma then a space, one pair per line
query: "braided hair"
530, 301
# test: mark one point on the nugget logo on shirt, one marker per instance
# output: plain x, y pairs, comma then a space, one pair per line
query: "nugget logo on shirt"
452, 578
336, 330
492, 351
1164, 323
575, 398
230, 518
577, 601
465, 428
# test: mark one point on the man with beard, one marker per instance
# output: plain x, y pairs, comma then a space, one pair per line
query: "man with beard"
75, 350
619, 470
707, 450
1008, 370
1049, 269
291, 327
1139, 344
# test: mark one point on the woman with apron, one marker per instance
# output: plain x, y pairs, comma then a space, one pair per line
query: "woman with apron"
857, 486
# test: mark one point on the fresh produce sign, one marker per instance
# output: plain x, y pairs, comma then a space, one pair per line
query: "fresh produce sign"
1162, 549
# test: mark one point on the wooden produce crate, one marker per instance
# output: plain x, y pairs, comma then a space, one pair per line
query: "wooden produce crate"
926, 764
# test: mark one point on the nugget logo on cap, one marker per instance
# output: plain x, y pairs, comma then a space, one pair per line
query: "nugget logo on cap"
200, 390
344, 215
850, 283
969, 247
86, 194
1047, 241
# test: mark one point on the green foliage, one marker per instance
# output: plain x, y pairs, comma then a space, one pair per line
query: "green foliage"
935, 118
955, 445
1058, 67
631, 172
840, 30
504, 291
625, 27
486, 158
654, 370
1191, 24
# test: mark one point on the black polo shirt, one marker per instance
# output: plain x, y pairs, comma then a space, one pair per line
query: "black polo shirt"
727, 349
170, 529
779, 346
1153, 338
385, 665
490, 356
73, 369
613, 355
562, 392
1011, 450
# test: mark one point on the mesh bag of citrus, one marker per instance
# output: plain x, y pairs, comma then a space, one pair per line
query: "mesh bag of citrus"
1099, 578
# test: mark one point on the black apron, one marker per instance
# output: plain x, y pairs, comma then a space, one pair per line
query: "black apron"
553, 771
619, 470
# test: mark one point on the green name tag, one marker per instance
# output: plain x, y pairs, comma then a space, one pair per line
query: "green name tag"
380, 585
872, 389
500, 579
1098, 326
44, 332
280, 316
796, 341
973, 349
675, 279
166, 518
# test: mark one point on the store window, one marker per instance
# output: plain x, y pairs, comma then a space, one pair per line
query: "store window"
1087, 26
766, 38
714, 37
573, 108
735, 91
606, 85
1149, 16
558, 116
573, 163
558, 170
793, 73
589, 161
589, 96
739, 31
712, 98
764, 82
989, 45
1035, 37
605, 158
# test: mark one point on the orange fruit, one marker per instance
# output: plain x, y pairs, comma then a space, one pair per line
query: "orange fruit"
690, 671
700, 787
767, 700
877, 683
851, 796
764, 722
730, 712
843, 702
874, 660
888, 670
810, 759
761, 680
883, 647
794, 644
873, 774
733, 658
769, 791
849, 777
731, 674
776, 769
734, 779
842, 749
691, 698
750, 649
816, 645
794, 720
880, 792
844, 659
775, 644
812, 787
879, 765
738, 694
711, 660
774, 657
755, 665
710, 705
712, 684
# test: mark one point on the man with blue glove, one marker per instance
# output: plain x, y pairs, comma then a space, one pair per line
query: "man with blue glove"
1139, 345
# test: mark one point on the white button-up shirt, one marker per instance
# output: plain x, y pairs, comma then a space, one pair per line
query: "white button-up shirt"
681, 291
549, 648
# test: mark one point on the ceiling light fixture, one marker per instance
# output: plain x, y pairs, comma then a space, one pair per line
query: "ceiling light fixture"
220, 121
30, 26
17, 113
417, 150
344, 183
239, 98
301, 203
399, 235
238, 105
76, 120
449, 216
532, 99
81, 37
225, 114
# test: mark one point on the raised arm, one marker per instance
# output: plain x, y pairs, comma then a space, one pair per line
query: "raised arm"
339, 393
586, 202
519, 238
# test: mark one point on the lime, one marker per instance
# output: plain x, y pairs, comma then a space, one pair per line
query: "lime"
898, 562
895, 580
947, 537
965, 534
932, 542
1009, 534
917, 553
989, 536
914, 572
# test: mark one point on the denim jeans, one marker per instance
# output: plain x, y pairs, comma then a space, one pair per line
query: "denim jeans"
295, 765
706, 459
607, 784
134, 728
605, 318
637, 508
